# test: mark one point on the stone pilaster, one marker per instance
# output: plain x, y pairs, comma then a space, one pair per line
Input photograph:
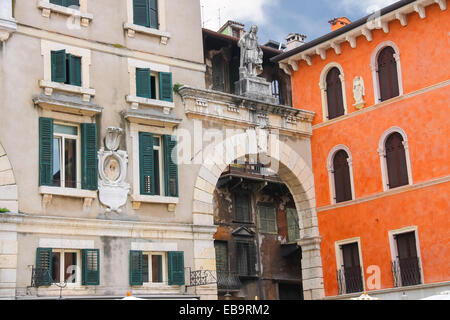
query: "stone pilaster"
8, 264
313, 288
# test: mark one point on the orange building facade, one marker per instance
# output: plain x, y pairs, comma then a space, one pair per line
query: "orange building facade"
380, 148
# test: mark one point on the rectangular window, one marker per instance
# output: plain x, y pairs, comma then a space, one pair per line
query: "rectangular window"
221, 248
154, 85
152, 268
241, 206
66, 68
66, 3
246, 258
65, 266
267, 219
158, 165
407, 265
292, 225
146, 13
66, 156
350, 275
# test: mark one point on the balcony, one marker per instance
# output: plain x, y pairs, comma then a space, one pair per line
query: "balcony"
406, 272
350, 280
228, 281
251, 171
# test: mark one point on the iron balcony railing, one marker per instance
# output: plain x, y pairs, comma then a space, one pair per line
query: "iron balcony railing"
228, 281
350, 280
252, 170
406, 272
40, 277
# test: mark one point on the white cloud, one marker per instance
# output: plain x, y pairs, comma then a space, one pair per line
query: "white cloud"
253, 10
367, 6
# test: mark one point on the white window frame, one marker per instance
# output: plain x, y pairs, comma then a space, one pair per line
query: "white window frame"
132, 28
382, 155
61, 266
340, 257
135, 101
323, 88
160, 150
48, 85
394, 249
81, 13
164, 265
374, 67
62, 155
330, 168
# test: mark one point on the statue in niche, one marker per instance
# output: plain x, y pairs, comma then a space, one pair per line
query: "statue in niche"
359, 91
251, 53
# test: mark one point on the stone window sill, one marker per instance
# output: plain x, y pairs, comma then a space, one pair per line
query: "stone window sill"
136, 101
47, 8
49, 86
88, 196
170, 201
133, 28
6, 28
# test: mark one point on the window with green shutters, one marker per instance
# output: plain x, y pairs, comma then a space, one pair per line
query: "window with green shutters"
158, 165
143, 83
59, 158
292, 225
89, 160
170, 166
165, 86
66, 68
136, 278
66, 3
146, 13
221, 248
90, 267
175, 261
267, 219
43, 276
241, 205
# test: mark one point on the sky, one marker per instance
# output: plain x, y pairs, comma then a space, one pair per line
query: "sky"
277, 18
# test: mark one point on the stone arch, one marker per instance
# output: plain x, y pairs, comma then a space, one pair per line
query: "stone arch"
298, 177
8, 187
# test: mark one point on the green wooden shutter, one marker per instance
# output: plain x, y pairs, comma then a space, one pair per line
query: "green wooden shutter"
43, 267
292, 224
136, 268
153, 13
68, 3
57, 2
165, 86
141, 12
267, 219
146, 164
58, 61
143, 83
170, 166
176, 268
74, 70
45, 152
241, 207
89, 162
90, 267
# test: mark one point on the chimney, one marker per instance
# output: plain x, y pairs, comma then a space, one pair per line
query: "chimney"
294, 40
338, 23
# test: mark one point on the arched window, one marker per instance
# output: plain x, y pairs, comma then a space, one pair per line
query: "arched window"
341, 174
387, 74
387, 71
394, 157
335, 99
342, 183
396, 161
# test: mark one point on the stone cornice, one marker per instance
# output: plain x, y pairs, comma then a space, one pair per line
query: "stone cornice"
364, 27
225, 107
97, 227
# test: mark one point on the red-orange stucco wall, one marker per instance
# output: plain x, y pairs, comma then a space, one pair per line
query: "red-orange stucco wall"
424, 115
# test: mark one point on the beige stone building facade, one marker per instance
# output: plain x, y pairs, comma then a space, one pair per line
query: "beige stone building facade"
73, 70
